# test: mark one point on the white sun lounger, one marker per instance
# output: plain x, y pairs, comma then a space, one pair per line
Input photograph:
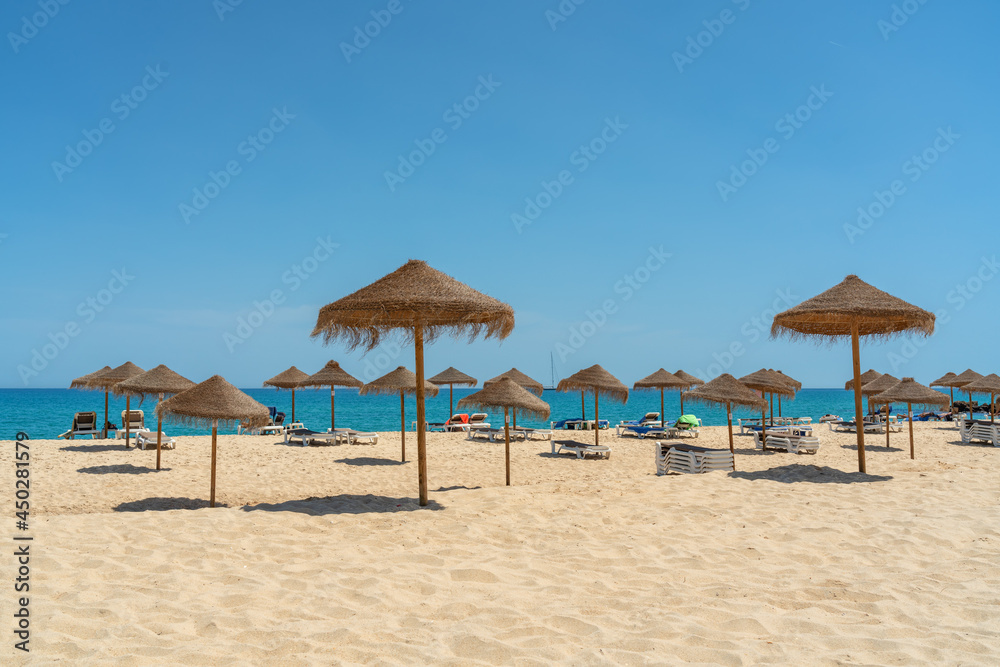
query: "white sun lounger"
582, 450
683, 458
988, 433
354, 437
536, 433
147, 440
789, 442
84, 423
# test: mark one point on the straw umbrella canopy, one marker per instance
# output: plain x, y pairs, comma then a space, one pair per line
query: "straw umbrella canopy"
661, 380
728, 391
401, 381
692, 382
964, 379
332, 376
289, 379
423, 303
877, 386
987, 385
946, 381
160, 380
767, 382
792, 381
602, 383
911, 392
107, 380
452, 376
211, 403
507, 394
853, 309
82, 382
532, 385
866, 377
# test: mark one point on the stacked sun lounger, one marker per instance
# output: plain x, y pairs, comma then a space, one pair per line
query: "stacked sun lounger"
147, 440
683, 458
979, 431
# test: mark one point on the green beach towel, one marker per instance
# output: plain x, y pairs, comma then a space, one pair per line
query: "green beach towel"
687, 422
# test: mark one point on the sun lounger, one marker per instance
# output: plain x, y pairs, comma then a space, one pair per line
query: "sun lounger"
851, 427
979, 432
357, 437
649, 419
578, 424
84, 423
497, 435
683, 458
147, 440
536, 433
136, 423
582, 450
306, 436
785, 440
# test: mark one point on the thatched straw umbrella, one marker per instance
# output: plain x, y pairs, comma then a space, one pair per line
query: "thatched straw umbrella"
107, 380
211, 403
770, 382
877, 386
602, 383
160, 380
452, 376
946, 381
910, 391
332, 376
692, 382
403, 382
532, 385
289, 379
507, 394
866, 377
987, 385
853, 309
964, 379
82, 383
792, 381
728, 391
661, 380
423, 303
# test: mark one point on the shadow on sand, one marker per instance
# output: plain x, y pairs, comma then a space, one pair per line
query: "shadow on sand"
120, 469
95, 448
369, 461
791, 474
164, 504
346, 504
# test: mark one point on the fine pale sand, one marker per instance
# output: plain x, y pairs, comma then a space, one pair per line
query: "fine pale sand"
321, 555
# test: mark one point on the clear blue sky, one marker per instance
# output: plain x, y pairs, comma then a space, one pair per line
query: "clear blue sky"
196, 87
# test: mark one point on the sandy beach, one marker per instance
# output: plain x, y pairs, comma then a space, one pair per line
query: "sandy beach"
321, 555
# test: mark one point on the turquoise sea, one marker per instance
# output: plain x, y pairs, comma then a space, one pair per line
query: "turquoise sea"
45, 413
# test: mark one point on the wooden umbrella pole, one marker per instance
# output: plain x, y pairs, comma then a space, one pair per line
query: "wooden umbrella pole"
104, 434
506, 440
514, 414
763, 429
215, 425
909, 414
128, 417
858, 414
970, 407
779, 406
333, 417
421, 431
597, 418
451, 399
682, 402
159, 433
992, 407
886, 425
583, 407
729, 419
402, 426
293, 405
771, 403
663, 413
